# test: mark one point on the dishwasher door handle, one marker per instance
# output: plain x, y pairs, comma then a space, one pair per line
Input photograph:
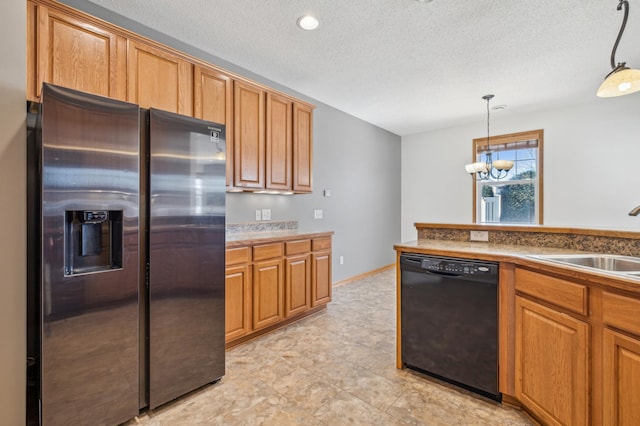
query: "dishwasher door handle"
446, 274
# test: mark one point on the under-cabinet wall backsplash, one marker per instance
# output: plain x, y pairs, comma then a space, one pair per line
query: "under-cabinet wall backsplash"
626, 243
269, 226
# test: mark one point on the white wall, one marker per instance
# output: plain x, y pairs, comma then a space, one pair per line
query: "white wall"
12, 213
591, 166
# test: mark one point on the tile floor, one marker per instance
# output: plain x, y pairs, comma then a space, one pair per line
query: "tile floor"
336, 367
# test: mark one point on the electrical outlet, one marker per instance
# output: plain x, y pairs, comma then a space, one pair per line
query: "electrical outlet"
266, 214
342, 260
317, 214
479, 236
258, 214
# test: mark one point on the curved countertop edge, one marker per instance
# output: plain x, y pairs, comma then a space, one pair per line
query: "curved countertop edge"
265, 237
518, 255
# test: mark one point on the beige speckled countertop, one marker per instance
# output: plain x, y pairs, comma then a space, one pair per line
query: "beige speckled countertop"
483, 251
519, 255
264, 237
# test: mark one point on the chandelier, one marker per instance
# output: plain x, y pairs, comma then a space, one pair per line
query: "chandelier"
483, 170
622, 80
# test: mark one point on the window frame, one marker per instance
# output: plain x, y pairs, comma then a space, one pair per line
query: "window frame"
479, 143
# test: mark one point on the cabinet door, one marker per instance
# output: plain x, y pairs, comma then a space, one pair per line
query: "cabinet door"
213, 95
32, 51
278, 148
320, 278
237, 302
267, 293
297, 285
621, 373
302, 148
552, 364
248, 144
158, 79
78, 54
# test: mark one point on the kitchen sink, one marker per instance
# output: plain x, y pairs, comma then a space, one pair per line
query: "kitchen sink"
626, 265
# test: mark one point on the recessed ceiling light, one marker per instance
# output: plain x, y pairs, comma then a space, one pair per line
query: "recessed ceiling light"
308, 22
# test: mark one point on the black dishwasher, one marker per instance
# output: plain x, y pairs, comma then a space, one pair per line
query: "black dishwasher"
450, 320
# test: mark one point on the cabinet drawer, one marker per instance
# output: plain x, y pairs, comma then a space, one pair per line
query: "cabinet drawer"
621, 312
566, 294
297, 247
321, 244
267, 251
238, 255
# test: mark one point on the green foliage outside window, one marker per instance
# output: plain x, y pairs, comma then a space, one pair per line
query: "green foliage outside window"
518, 201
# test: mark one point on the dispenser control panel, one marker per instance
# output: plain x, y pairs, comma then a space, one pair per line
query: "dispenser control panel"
94, 216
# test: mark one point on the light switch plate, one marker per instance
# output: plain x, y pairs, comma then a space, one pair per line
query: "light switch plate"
258, 214
317, 214
479, 236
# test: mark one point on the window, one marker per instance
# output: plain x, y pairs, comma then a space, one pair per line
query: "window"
516, 198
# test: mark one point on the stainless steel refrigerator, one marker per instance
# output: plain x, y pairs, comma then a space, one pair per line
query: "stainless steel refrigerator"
126, 293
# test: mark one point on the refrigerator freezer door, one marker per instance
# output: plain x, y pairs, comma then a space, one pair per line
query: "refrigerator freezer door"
186, 254
89, 272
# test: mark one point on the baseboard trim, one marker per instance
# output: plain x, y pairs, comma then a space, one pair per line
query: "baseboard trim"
364, 275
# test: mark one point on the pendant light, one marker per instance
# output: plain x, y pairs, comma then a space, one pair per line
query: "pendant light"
483, 170
622, 80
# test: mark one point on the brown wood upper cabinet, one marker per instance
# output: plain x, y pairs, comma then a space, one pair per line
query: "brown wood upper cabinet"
156, 78
269, 134
248, 144
279, 142
75, 53
213, 101
272, 142
302, 148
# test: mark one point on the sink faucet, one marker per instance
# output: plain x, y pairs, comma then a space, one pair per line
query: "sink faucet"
635, 211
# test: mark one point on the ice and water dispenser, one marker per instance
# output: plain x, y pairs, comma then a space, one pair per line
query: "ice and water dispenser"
93, 241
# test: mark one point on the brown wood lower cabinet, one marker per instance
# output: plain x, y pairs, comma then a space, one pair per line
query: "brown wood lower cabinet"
237, 297
552, 364
297, 277
269, 284
237, 293
321, 271
321, 280
267, 293
621, 387
577, 350
620, 359
297, 285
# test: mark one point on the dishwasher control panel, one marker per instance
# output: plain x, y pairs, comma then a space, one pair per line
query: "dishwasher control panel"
456, 267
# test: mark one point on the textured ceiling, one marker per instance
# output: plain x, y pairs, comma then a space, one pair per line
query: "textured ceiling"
407, 66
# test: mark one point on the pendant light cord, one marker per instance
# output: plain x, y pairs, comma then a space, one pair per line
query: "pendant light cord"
488, 99
488, 145
624, 24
